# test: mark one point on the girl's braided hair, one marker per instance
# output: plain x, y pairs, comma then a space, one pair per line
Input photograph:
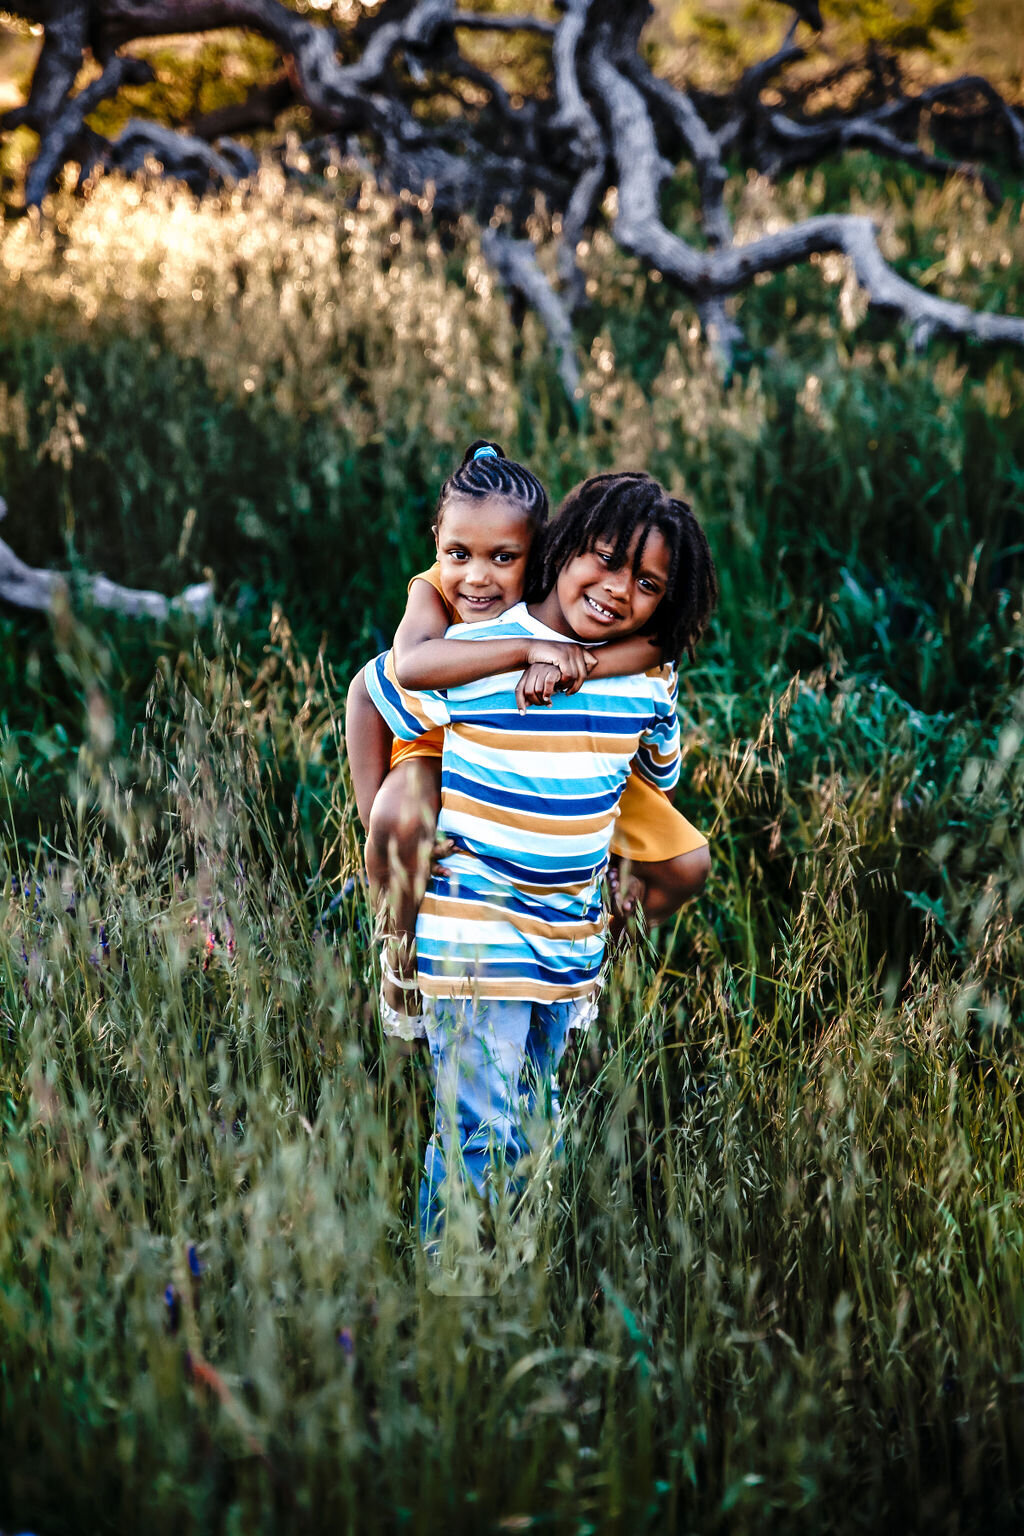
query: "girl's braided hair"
485, 471
610, 508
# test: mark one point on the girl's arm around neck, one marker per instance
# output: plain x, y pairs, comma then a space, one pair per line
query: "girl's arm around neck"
424, 659
620, 658
447, 663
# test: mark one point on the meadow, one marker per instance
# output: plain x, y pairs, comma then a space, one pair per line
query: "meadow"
777, 1281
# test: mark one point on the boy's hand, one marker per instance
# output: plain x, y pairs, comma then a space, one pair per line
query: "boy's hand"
574, 662
537, 684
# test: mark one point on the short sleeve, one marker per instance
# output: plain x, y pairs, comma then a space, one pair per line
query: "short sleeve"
657, 759
408, 713
433, 579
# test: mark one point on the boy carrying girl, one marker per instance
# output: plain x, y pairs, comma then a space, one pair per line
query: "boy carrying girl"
511, 931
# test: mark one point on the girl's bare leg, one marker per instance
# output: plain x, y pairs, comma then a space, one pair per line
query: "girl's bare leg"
659, 888
399, 845
398, 807
368, 745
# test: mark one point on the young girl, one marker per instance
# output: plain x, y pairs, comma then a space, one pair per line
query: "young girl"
511, 931
488, 514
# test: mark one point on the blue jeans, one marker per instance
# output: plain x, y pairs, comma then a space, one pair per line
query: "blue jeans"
494, 1065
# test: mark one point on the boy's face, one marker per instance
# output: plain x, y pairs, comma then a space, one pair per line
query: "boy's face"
599, 602
482, 548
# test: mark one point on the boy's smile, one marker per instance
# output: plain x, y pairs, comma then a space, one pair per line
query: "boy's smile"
482, 548
593, 600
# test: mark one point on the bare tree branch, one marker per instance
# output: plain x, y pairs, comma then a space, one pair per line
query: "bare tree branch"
64, 42
575, 117
744, 101
59, 137
705, 276
26, 587
608, 122
701, 145
516, 263
806, 10
188, 159
949, 89
801, 143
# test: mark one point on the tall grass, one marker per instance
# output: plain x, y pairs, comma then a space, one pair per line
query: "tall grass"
777, 1275
781, 1259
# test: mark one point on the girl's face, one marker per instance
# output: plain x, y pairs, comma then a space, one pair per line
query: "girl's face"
482, 549
593, 601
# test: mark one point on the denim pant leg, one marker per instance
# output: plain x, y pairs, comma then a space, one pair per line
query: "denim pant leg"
545, 1046
478, 1049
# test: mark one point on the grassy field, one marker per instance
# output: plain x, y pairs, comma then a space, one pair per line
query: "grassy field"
777, 1281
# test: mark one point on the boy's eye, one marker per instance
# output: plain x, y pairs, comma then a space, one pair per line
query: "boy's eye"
504, 558
456, 554
604, 555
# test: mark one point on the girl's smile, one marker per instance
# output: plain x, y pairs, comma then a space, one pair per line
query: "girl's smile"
594, 600
482, 549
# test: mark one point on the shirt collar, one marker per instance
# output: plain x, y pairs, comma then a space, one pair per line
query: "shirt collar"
518, 615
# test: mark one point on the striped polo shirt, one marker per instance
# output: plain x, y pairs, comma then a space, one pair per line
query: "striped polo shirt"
529, 802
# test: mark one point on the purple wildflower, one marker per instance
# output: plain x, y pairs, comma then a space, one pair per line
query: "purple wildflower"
172, 1301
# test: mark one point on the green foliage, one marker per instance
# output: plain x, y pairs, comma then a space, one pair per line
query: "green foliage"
731, 35
907, 24
776, 1283
193, 75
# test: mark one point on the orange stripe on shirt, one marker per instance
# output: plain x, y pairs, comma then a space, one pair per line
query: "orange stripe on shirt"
518, 740
526, 821
504, 988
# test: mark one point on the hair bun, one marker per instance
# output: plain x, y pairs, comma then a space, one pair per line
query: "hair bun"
474, 448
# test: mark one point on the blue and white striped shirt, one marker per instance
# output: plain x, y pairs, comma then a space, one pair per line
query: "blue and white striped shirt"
530, 802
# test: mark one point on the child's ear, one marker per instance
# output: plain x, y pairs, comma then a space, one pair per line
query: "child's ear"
433, 528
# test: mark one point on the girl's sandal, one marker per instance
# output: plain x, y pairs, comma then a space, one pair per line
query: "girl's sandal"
401, 1026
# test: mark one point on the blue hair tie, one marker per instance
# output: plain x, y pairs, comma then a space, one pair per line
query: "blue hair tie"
486, 452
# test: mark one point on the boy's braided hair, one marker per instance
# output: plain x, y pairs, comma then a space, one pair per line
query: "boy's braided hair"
610, 508
485, 471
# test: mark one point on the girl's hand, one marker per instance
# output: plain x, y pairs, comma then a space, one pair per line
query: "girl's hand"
443, 848
574, 662
537, 684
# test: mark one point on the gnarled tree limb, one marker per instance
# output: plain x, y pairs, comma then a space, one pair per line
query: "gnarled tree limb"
714, 274
59, 137
801, 143
65, 39
27, 587
587, 145
516, 264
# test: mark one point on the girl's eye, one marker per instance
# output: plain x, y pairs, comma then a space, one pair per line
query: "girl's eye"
456, 554
504, 558
604, 555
